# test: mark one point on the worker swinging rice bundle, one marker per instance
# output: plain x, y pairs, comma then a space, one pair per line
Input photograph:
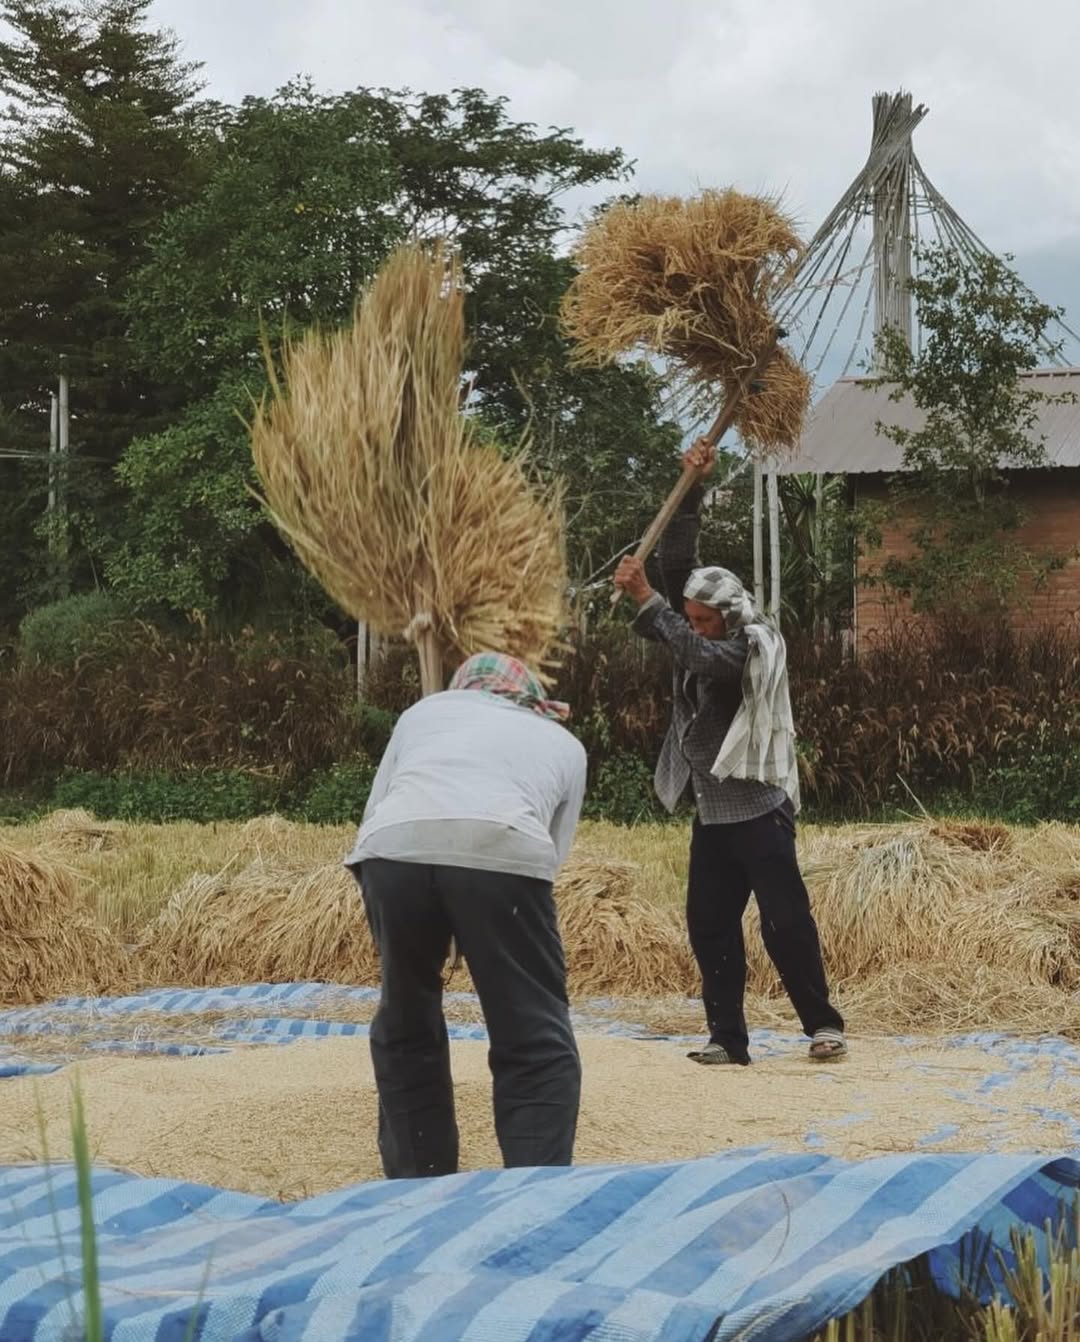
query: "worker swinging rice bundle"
695, 281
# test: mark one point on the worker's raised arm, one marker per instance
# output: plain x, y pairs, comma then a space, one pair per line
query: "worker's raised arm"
719, 659
677, 551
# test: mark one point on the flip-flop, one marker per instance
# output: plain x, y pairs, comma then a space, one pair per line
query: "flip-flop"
716, 1055
828, 1046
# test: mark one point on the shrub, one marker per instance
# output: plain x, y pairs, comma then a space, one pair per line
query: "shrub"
200, 795
170, 701
1036, 784
946, 709
303, 641
335, 796
621, 791
374, 727
393, 678
58, 634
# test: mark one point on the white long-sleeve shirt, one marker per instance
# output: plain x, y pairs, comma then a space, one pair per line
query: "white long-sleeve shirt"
470, 780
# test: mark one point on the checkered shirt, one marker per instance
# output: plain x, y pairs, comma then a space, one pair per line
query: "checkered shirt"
706, 692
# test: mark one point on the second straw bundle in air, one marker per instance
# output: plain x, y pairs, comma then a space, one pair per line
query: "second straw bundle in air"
696, 282
382, 486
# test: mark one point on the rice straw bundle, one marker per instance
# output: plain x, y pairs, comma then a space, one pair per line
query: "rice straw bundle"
922, 894
616, 941
951, 996
50, 942
693, 280
76, 830
272, 922
380, 483
770, 420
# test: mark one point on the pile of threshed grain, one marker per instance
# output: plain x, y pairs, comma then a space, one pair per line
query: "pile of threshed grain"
260, 1123
50, 941
694, 281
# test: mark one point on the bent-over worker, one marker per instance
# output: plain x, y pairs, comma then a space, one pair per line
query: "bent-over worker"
472, 811
731, 745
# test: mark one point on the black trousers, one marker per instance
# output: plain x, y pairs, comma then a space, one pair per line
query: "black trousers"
507, 929
727, 864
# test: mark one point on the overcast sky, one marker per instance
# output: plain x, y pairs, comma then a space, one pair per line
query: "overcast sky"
770, 94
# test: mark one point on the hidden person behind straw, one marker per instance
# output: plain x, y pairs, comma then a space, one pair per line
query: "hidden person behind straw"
731, 747
471, 814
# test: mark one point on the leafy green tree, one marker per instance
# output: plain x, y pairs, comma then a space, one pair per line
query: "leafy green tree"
99, 139
982, 329
307, 194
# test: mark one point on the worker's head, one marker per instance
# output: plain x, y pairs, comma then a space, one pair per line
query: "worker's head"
507, 678
715, 602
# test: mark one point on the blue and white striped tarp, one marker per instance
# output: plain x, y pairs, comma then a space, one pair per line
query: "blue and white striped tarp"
292, 1011
749, 1245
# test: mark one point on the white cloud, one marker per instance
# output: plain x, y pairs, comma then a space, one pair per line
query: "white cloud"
761, 95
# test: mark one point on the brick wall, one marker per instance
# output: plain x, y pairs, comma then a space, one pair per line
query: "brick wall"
1052, 501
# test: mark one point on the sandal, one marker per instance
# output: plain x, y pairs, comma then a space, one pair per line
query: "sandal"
716, 1055
828, 1046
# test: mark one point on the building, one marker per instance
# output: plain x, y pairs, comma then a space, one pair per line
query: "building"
841, 438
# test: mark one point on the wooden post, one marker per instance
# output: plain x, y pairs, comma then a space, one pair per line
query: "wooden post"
431, 667
759, 548
361, 658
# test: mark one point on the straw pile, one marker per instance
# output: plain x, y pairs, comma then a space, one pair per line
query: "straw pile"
50, 942
616, 941
926, 894
275, 921
272, 922
384, 490
693, 280
77, 831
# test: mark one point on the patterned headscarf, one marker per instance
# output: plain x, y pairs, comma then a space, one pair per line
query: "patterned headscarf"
507, 678
720, 589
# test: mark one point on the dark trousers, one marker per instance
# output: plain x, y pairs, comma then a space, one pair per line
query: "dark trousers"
507, 929
727, 864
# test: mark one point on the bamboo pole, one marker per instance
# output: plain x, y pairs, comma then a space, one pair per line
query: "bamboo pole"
774, 541
690, 475
759, 549
817, 592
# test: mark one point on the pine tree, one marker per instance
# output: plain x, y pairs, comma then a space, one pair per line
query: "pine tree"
102, 135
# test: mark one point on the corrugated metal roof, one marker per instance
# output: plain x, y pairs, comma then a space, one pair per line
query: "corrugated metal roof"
841, 437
